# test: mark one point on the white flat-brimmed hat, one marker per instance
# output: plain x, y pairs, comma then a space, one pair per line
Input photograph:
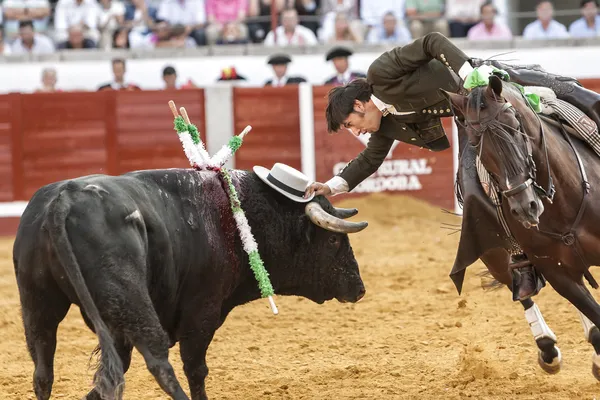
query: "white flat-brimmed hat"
286, 180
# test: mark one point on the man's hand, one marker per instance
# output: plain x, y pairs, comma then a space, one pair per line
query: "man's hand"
318, 189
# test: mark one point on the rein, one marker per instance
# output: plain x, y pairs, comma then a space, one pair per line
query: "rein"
570, 237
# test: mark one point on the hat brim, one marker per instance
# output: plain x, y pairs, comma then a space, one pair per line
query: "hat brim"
263, 172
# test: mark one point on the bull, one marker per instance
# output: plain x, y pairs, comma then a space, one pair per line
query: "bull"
153, 258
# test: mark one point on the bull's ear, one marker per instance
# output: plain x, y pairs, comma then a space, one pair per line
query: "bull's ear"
308, 228
457, 101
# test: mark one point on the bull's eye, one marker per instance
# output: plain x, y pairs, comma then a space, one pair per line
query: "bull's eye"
333, 240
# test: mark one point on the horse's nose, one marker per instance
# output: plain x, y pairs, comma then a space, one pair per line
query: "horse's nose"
533, 207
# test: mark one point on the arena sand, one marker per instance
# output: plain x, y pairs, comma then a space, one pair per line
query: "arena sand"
411, 337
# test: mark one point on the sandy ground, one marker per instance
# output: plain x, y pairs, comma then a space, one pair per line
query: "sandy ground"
411, 337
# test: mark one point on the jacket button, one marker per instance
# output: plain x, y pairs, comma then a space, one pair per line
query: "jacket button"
429, 111
412, 138
424, 111
447, 110
435, 111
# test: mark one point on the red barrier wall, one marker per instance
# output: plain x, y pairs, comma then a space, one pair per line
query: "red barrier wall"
48, 137
274, 114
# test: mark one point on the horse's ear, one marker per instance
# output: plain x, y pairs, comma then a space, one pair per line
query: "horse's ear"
495, 85
458, 101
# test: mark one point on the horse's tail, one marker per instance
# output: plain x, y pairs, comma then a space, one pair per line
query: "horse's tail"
109, 378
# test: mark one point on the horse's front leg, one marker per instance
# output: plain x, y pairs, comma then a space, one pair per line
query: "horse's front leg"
571, 287
549, 358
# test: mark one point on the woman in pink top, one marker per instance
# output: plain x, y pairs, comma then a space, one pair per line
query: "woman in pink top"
222, 12
488, 29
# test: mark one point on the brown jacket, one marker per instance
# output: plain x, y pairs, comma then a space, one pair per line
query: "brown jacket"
410, 78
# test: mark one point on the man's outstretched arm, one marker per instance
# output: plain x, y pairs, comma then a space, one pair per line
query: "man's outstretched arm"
357, 170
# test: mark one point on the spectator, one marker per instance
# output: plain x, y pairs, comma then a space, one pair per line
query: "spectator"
77, 40
118, 83
462, 15
30, 42
139, 16
308, 12
331, 8
340, 55
189, 13
259, 18
48, 81
343, 32
15, 11
231, 34
289, 33
170, 79
111, 15
164, 36
488, 28
221, 12
280, 65
545, 27
372, 11
390, 32
589, 24
73, 12
4, 47
120, 38
426, 16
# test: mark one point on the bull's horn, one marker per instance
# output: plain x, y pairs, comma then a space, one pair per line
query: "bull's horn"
321, 218
344, 213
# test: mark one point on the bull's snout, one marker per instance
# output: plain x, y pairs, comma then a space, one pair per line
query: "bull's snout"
361, 293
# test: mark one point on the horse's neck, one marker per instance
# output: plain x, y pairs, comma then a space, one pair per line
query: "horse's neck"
556, 154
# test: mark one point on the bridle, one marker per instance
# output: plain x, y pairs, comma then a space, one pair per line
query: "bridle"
548, 193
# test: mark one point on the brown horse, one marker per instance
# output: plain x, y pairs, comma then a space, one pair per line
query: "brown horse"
548, 180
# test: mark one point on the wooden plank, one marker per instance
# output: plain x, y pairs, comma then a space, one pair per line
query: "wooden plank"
6, 159
145, 133
18, 177
274, 114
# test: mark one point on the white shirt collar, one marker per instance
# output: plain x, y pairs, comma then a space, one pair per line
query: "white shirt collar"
280, 82
387, 108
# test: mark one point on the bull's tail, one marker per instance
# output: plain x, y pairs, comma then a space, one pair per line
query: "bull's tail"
109, 377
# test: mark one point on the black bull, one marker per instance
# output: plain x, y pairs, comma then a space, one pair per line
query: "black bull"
482, 235
153, 258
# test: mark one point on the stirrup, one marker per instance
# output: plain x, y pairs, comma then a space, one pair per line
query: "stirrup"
515, 268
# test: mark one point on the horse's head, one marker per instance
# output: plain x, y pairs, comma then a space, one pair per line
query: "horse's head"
494, 116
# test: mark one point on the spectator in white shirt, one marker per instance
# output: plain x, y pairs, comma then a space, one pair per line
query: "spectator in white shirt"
73, 12
15, 11
390, 32
589, 24
189, 13
111, 15
545, 27
30, 42
4, 47
462, 15
289, 33
372, 11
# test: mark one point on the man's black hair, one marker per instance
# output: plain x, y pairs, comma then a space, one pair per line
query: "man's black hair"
340, 102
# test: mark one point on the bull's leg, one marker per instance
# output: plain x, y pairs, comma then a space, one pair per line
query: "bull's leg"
574, 290
124, 349
549, 356
43, 309
193, 346
149, 338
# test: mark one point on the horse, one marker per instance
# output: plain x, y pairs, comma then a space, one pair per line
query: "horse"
547, 180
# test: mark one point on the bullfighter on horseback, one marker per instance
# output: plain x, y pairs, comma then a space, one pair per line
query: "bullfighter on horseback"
401, 100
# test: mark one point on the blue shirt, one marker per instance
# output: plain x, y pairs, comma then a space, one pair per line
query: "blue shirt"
555, 30
580, 28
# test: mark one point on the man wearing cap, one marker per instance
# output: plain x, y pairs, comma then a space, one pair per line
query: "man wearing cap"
279, 63
340, 55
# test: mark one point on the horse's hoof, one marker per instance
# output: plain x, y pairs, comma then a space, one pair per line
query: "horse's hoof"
554, 367
596, 366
